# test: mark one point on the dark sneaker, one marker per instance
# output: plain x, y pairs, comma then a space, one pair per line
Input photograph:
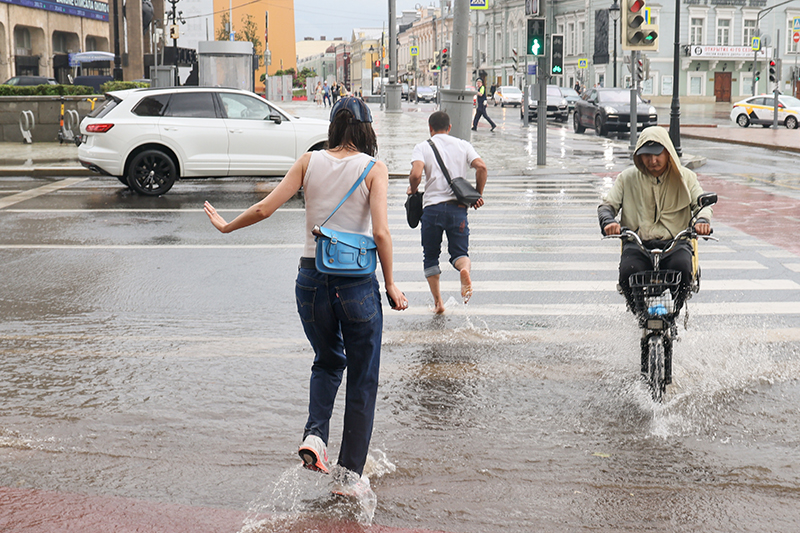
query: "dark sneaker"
314, 454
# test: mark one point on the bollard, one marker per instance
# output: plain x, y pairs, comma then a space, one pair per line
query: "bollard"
92, 101
26, 124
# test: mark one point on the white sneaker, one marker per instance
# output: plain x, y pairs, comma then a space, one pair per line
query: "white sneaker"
350, 485
314, 454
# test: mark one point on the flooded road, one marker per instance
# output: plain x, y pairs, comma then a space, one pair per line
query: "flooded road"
146, 356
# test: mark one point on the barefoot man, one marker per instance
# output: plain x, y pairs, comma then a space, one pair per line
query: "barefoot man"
442, 214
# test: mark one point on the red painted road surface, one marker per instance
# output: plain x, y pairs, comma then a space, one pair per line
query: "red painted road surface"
36, 511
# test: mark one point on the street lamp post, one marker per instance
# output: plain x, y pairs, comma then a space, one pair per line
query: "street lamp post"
675, 110
614, 12
371, 69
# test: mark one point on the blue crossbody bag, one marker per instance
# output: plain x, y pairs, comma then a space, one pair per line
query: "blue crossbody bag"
345, 254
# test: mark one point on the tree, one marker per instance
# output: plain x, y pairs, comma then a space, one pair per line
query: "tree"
248, 32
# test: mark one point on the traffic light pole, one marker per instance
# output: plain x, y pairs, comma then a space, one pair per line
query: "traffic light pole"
634, 116
393, 89
455, 101
675, 108
776, 91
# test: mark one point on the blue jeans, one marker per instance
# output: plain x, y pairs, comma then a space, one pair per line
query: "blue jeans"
343, 320
439, 219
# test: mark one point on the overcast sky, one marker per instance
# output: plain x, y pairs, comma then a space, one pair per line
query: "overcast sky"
338, 18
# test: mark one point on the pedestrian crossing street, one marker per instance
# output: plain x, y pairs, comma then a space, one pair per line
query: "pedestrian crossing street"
537, 250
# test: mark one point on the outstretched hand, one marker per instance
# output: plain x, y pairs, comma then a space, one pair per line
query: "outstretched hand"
215, 217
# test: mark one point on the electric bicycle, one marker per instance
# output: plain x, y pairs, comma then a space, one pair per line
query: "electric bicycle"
653, 293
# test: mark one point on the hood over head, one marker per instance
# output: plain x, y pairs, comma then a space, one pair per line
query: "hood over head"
657, 134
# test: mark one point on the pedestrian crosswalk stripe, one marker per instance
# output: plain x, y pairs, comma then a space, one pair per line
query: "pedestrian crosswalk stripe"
605, 285
577, 266
595, 309
547, 248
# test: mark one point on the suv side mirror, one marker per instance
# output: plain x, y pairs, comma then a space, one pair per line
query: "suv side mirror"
276, 118
707, 199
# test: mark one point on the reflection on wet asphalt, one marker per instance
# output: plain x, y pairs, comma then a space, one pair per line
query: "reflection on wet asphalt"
147, 356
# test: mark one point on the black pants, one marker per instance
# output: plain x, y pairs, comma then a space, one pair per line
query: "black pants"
634, 260
481, 112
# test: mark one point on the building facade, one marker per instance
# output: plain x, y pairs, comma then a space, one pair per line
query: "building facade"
717, 62
38, 41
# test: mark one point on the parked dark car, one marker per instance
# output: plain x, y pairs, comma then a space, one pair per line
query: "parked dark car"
92, 81
557, 106
30, 81
422, 93
608, 110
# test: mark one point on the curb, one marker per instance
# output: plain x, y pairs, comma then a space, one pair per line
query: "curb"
46, 171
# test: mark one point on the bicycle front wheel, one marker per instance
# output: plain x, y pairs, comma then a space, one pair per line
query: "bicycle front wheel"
655, 375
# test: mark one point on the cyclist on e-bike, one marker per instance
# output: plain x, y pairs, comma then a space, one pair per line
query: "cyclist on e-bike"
655, 199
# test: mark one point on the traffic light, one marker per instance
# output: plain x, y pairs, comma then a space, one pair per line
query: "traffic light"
445, 55
638, 69
173, 31
557, 54
535, 37
435, 63
637, 31
773, 77
758, 75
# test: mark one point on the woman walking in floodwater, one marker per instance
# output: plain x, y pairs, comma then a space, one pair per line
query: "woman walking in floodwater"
342, 316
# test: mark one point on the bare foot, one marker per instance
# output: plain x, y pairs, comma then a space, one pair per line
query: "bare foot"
466, 285
438, 307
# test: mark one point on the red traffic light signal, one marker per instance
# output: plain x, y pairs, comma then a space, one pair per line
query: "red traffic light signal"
636, 6
378, 63
772, 62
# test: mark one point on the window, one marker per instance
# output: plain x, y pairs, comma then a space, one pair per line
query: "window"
197, 105
696, 30
749, 32
696, 84
723, 32
22, 41
91, 44
570, 39
746, 84
59, 42
666, 85
791, 46
244, 107
581, 36
152, 106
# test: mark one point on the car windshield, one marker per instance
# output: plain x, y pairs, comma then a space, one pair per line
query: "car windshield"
553, 91
424, 90
510, 90
617, 97
566, 91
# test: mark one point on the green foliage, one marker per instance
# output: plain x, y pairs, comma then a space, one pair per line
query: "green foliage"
121, 85
45, 90
248, 31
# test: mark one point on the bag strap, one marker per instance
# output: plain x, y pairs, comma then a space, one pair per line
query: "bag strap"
352, 189
439, 160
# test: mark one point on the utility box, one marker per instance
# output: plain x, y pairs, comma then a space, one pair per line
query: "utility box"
162, 76
226, 64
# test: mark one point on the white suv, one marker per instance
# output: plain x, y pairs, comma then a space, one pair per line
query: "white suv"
148, 138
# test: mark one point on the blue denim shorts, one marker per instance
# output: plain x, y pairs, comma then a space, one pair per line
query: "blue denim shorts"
445, 218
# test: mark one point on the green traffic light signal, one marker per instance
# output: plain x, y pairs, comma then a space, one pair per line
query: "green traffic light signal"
557, 54
536, 36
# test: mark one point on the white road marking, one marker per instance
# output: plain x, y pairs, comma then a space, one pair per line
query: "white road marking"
606, 285
38, 191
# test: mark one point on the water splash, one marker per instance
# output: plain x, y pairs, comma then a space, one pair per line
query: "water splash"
301, 501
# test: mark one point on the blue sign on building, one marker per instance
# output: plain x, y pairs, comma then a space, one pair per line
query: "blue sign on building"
90, 9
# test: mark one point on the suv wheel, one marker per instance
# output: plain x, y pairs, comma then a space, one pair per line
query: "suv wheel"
599, 127
152, 173
576, 123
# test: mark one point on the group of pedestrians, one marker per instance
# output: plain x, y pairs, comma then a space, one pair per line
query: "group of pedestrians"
326, 96
342, 317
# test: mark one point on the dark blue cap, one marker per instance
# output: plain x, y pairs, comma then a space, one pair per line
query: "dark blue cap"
355, 105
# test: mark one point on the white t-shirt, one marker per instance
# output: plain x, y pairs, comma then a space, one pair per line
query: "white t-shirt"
457, 155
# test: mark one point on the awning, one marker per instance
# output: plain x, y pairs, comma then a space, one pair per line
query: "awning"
86, 57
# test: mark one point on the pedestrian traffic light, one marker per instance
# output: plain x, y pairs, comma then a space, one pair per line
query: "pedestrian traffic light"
557, 54
637, 31
173, 31
435, 63
772, 74
536, 37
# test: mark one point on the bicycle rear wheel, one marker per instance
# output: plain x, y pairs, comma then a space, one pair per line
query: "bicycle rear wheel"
656, 377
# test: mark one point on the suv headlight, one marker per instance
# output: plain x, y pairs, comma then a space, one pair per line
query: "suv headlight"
652, 110
610, 110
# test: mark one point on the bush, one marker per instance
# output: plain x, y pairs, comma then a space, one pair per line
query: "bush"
122, 85
67, 90
46, 90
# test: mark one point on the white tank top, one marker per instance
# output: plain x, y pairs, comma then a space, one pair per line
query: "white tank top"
326, 182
